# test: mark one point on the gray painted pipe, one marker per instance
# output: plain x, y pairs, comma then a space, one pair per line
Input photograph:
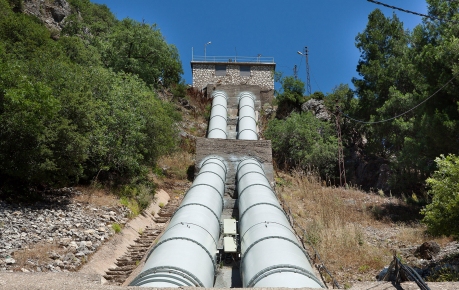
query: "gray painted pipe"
218, 116
271, 255
185, 255
247, 124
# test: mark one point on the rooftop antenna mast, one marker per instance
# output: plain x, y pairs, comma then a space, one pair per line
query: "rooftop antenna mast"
305, 53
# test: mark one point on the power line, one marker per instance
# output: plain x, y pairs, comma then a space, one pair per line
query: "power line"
406, 112
411, 12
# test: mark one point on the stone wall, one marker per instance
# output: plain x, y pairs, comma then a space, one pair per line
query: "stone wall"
233, 152
260, 74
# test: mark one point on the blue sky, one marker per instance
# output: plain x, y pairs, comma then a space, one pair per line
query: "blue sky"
271, 28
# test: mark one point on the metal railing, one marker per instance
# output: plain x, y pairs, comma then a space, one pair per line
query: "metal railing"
237, 59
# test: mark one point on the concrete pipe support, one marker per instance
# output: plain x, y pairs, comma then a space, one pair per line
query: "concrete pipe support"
271, 255
185, 255
218, 116
247, 124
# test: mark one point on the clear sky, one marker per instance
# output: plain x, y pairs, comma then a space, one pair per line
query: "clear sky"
272, 28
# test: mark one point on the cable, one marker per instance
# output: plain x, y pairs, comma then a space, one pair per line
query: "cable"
399, 115
412, 12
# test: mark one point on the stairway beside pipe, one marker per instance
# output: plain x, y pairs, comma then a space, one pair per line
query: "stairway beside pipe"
247, 124
271, 255
185, 255
218, 116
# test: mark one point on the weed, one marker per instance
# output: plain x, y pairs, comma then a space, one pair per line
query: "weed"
364, 268
161, 205
445, 274
177, 164
140, 231
116, 227
153, 213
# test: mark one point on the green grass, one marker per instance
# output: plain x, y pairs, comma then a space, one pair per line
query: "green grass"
116, 227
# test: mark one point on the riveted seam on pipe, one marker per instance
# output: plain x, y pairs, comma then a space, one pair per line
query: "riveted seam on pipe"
284, 268
247, 106
223, 181
257, 163
169, 269
262, 203
267, 223
218, 116
224, 168
189, 240
162, 278
203, 184
216, 158
246, 95
239, 133
248, 117
213, 106
217, 129
268, 238
253, 184
261, 173
199, 204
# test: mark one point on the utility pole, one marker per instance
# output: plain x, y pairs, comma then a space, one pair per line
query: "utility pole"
295, 72
308, 79
342, 170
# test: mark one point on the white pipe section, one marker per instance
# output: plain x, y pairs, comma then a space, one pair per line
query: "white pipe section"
218, 116
247, 124
185, 255
271, 255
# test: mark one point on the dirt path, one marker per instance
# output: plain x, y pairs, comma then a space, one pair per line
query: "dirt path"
106, 256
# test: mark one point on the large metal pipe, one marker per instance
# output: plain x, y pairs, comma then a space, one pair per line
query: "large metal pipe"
185, 255
247, 123
271, 255
218, 116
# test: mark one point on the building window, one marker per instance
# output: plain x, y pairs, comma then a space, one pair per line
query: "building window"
244, 71
220, 70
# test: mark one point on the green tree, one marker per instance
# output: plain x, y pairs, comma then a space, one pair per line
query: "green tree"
140, 49
291, 96
442, 215
302, 140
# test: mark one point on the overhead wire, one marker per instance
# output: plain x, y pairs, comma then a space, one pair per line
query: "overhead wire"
412, 12
406, 112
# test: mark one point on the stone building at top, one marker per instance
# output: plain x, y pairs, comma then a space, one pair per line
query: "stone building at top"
253, 73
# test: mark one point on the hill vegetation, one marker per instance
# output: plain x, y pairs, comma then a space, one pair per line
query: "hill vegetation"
81, 106
402, 116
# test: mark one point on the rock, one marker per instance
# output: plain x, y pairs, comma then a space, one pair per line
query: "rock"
428, 250
53, 255
65, 241
10, 261
89, 232
79, 254
318, 108
25, 270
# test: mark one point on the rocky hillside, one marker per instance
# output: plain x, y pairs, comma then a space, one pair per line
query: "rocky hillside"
55, 234
52, 13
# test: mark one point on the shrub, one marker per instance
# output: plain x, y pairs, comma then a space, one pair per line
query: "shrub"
303, 141
442, 215
116, 227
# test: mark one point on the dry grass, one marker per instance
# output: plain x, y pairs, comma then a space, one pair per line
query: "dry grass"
176, 165
96, 196
36, 255
354, 232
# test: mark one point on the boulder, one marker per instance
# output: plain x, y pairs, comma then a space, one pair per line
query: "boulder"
318, 108
428, 250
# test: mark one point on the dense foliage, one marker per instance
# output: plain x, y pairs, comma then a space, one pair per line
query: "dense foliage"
398, 70
303, 141
442, 215
67, 113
